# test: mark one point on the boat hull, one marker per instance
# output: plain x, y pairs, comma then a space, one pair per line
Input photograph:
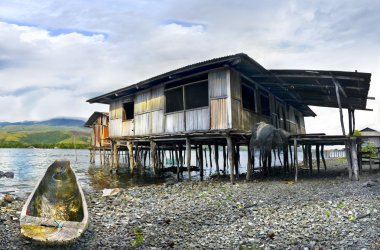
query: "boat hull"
56, 211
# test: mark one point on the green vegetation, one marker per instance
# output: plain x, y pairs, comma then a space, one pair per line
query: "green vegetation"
42, 136
370, 150
139, 238
357, 133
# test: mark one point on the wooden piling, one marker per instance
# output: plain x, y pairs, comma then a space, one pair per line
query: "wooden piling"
224, 160
310, 158
188, 156
231, 151
177, 160
317, 156
216, 151
209, 153
354, 157
153, 155
115, 156
249, 164
295, 160
200, 154
237, 160
323, 157
131, 158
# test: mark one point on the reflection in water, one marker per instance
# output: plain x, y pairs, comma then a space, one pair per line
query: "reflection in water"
29, 165
101, 177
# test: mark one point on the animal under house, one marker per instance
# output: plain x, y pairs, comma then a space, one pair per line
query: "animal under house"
216, 105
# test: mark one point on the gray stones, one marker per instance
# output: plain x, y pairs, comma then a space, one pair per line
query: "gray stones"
7, 174
269, 214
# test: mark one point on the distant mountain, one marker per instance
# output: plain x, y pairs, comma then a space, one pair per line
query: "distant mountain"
53, 133
72, 122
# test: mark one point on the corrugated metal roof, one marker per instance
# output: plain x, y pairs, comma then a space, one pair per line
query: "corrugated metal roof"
93, 118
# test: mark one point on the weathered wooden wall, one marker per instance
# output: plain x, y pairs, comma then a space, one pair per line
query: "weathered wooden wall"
225, 110
218, 92
198, 119
175, 122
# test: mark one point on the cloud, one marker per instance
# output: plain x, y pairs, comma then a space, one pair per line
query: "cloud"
54, 55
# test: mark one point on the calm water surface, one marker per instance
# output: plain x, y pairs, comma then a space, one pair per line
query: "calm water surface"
29, 165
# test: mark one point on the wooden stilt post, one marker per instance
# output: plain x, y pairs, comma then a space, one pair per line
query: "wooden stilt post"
200, 154
100, 157
209, 153
347, 144
231, 153
354, 160
116, 156
180, 151
177, 159
291, 157
310, 158
153, 155
350, 130
131, 158
188, 156
224, 160
317, 156
304, 152
323, 156
237, 159
249, 163
295, 160
205, 152
216, 152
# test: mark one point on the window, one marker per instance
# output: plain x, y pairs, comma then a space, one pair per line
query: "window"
196, 95
129, 110
248, 96
174, 100
265, 107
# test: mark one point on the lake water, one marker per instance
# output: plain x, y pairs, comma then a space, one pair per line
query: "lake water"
29, 165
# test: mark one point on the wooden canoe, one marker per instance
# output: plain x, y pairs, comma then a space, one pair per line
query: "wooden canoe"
56, 211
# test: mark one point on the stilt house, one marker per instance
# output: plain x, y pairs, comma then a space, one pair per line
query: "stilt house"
98, 122
217, 102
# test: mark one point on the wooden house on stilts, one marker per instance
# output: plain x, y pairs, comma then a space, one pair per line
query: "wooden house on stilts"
216, 103
98, 122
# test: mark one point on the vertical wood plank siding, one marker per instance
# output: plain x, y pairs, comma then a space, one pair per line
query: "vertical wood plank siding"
157, 121
218, 92
174, 122
115, 128
198, 119
235, 85
116, 110
157, 98
142, 102
236, 113
217, 83
142, 124
128, 128
218, 113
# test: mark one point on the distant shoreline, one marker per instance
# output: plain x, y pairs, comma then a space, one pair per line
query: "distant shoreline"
43, 146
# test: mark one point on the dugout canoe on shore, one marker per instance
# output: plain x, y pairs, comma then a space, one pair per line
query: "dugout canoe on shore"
56, 211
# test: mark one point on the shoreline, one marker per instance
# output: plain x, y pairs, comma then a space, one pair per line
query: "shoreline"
319, 212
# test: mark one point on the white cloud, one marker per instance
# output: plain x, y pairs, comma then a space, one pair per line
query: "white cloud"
110, 44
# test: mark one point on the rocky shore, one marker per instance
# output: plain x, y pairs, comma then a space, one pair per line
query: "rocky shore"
322, 211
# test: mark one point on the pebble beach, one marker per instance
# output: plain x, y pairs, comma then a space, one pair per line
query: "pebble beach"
320, 211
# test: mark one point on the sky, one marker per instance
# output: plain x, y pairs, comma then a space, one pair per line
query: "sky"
55, 55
